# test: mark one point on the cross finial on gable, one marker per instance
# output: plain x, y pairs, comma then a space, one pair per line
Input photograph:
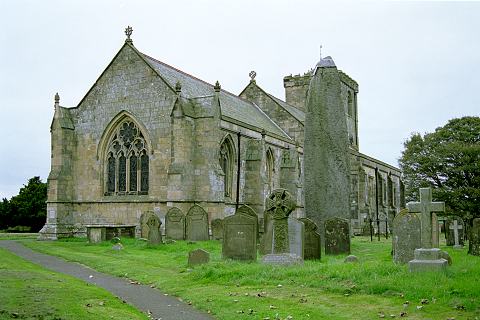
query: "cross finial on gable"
128, 33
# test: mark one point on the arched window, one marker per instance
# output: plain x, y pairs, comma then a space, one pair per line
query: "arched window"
270, 169
126, 169
227, 159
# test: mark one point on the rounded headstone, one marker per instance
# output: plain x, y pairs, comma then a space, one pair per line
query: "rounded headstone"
351, 259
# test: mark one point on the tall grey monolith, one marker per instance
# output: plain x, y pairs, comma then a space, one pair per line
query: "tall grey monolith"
327, 172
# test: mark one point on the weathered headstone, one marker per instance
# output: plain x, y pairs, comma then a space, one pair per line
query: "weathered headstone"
435, 231
474, 238
337, 236
240, 236
351, 259
312, 247
198, 256
425, 208
217, 229
406, 236
143, 223
154, 235
327, 166
454, 231
196, 224
296, 236
175, 224
282, 259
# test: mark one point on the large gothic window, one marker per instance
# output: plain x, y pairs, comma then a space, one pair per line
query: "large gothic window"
127, 166
227, 159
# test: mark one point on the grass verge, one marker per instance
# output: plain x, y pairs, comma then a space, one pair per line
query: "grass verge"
319, 289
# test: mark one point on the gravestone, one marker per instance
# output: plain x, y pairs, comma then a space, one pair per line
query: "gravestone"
282, 259
175, 224
474, 238
154, 234
406, 236
327, 165
312, 249
455, 231
217, 229
143, 223
278, 205
337, 236
198, 256
240, 236
96, 234
425, 208
296, 236
427, 260
196, 224
435, 231
351, 259
244, 209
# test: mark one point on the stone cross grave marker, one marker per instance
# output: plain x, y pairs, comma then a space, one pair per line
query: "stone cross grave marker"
154, 235
175, 224
240, 235
311, 240
337, 236
143, 223
450, 231
406, 236
474, 238
456, 227
217, 229
197, 224
278, 206
426, 207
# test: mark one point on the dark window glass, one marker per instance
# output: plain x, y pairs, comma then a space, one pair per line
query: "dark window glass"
133, 173
144, 173
111, 174
122, 173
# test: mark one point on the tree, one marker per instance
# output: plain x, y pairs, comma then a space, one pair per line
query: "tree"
448, 160
28, 208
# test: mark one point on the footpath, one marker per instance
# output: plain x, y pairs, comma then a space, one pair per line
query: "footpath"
149, 300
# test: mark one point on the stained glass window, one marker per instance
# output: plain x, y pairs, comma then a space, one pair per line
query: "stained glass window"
124, 173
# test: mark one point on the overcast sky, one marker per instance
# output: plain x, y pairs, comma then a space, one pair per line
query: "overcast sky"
417, 63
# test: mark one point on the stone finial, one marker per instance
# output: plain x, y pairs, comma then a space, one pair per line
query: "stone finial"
57, 99
128, 33
252, 76
217, 86
178, 87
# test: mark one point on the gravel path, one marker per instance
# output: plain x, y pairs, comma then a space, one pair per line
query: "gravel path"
141, 296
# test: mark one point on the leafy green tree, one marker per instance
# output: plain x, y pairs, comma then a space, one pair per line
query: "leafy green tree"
448, 160
28, 208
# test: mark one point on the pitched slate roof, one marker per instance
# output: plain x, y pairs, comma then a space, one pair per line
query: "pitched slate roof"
296, 113
231, 105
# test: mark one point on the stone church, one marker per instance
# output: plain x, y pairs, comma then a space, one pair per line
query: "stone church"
148, 137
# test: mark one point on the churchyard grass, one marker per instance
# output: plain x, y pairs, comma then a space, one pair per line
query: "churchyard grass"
28, 291
17, 236
327, 289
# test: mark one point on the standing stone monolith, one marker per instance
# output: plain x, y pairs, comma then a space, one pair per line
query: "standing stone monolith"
406, 236
425, 208
474, 238
196, 224
175, 224
326, 151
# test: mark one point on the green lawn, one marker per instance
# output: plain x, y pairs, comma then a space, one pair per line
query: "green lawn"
327, 289
28, 291
17, 236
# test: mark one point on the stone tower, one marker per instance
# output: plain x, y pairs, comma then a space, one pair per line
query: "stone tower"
326, 151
